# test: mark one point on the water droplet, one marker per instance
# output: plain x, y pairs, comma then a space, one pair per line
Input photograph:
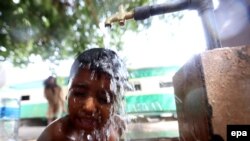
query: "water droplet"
81, 65
213, 101
92, 75
107, 133
107, 96
178, 99
72, 138
244, 72
89, 137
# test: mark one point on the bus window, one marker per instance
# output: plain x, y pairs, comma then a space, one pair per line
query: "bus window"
165, 84
137, 87
25, 97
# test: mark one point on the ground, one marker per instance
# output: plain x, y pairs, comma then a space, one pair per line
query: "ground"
30, 133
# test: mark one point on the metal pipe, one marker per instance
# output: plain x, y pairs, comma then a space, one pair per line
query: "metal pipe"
144, 12
210, 30
204, 7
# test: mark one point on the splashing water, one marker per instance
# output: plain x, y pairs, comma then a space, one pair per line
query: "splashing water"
72, 138
103, 60
81, 137
92, 75
89, 137
108, 97
178, 99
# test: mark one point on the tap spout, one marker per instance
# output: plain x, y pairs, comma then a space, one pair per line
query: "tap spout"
119, 17
204, 7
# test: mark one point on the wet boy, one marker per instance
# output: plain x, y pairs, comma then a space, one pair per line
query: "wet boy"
97, 81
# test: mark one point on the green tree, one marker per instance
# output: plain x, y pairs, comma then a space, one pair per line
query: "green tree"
56, 29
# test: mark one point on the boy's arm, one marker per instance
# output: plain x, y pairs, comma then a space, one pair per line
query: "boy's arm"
45, 136
51, 132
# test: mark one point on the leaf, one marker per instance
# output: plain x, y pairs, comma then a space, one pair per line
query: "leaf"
57, 29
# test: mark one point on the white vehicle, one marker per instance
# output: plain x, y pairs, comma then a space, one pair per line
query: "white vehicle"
150, 106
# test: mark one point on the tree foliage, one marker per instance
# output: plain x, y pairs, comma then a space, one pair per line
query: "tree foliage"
53, 29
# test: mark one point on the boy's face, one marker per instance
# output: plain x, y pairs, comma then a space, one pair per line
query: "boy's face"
90, 100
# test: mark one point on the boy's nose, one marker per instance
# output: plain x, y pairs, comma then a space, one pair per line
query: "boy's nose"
90, 104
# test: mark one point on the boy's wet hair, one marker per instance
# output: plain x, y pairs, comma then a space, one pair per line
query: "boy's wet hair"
103, 60
100, 60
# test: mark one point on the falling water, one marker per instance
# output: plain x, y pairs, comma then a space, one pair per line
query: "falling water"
107, 39
92, 75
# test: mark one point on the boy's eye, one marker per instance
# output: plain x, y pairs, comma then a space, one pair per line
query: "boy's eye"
105, 98
78, 93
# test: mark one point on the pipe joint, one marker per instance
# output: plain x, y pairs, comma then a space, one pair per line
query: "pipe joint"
201, 5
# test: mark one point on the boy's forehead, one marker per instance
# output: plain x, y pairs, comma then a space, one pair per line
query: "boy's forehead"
85, 77
92, 73
85, 80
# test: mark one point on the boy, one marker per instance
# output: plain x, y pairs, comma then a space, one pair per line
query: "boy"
96, 90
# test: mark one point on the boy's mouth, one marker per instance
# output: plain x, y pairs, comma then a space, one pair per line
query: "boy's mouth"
86, 123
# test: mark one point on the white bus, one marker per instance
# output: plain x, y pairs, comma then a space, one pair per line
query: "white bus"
150, 106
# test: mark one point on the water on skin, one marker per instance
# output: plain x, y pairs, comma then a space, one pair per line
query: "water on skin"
71, 138
81, 65
90, 138
95, 135
108, 97
92, 75
118, 84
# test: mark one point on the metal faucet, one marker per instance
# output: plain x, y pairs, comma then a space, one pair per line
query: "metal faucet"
204, 7
120, 17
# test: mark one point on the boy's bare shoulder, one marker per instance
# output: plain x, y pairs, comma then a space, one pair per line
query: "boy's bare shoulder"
55, 131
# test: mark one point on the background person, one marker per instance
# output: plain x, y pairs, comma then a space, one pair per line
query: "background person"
54, 95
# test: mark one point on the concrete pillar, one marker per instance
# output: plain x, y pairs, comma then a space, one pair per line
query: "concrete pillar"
213, 91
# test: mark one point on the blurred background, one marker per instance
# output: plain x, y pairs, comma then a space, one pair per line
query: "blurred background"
41, 38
